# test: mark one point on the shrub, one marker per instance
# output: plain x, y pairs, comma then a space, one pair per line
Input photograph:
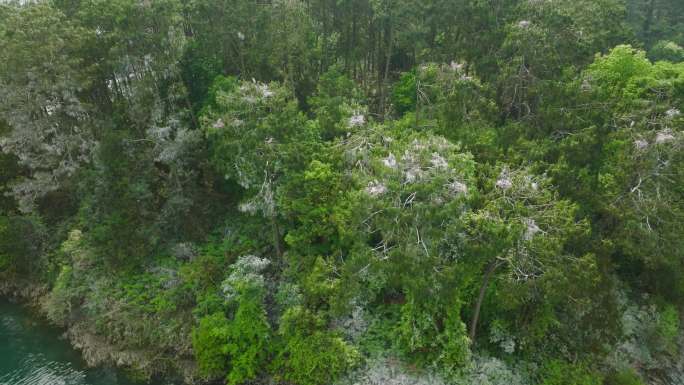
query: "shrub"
667, 327
210, 344
58, 302
623, 377
404, 93
309, 356
431, 338
238, 347
557, 372
248, 342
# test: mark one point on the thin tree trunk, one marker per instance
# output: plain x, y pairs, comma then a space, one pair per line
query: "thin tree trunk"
276, 237
648, 22
417, 99
417, 81
388, 59
478, 305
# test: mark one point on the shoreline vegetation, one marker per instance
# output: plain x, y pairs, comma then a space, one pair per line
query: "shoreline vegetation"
363, 192
95, 351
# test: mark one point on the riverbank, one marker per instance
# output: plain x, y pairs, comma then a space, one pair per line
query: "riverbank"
36, 352
22, 291
94, 352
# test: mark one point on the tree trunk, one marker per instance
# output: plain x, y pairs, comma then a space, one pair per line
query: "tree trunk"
276, 237
648, 21
478, 304
388, 59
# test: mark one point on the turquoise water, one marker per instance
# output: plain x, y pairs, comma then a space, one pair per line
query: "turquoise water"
32, 353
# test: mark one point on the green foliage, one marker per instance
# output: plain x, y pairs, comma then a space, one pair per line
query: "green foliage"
257, 135
614, 72
561, 373
666, 50
310, 355
249, 342
21, 242
52, 135
655, 21
337, 98
310, 199
404, 93
119, 212
238, 347
424, 332
668, 327
60, 302
623, 377
480, 217
210, 345
635, 157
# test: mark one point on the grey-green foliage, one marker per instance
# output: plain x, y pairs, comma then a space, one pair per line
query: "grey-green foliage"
412, 195
650, 335
491, 371
390, 371
254, 131
245, 277
666, 50
481, 369
42, 81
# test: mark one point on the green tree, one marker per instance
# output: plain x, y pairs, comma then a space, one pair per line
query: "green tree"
257, 136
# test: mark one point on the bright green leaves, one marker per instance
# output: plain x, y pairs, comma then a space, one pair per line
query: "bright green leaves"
239, 346
432, 332
310, 355
667, 329
210, 345
248, 334
311, 199
404, 93
315, 359
614, 74
562, 373
623, 377
248, 341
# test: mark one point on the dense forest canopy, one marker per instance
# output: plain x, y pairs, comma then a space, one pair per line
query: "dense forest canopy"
316, 192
